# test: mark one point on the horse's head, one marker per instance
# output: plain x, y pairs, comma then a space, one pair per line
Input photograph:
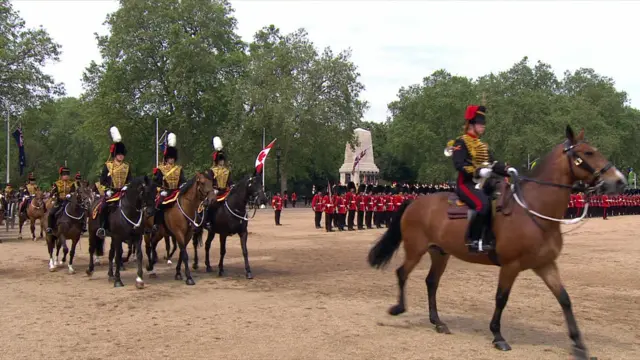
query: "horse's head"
38, 199
204, 183
139, 192
254, 187
587, 164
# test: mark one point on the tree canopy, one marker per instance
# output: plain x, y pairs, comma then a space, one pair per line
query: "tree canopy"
184, 64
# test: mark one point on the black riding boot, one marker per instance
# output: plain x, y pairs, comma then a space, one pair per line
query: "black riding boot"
104, 217
158, 219
477, 237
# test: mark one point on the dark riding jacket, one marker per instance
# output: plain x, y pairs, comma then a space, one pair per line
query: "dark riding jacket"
470, 155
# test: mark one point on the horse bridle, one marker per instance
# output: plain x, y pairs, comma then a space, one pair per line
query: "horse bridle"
576, 160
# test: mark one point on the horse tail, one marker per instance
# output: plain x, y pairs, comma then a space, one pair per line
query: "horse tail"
99, 245
197, 237
382, 252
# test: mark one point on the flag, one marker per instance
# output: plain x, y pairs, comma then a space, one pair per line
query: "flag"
357, 159
22, 158
163, 144
262, 156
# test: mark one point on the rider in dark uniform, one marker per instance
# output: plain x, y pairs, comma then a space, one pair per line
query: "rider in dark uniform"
221, 175
168, 176
60, 190
115, 175
30, 190
473, 161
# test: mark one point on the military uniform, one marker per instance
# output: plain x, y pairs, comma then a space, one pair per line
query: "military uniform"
115, 175
168, 176
276, 204
31, 188
60, 190
352, 205
472, 160
361, 205
221, 176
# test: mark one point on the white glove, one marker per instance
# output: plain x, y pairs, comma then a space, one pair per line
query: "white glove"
164, 193
68, 196
484, 173
512, 171
109, 193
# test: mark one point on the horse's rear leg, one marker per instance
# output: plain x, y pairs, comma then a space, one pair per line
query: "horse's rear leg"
207, 248
508, 275
439, 262
72, 253
551, 278
245, 254
196, 240
414, 250
50, 246
223, 252
20, 223
32, 227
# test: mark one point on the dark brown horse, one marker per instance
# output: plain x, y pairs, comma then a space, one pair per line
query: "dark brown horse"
180, 218
35, 211
68, 226
527, 235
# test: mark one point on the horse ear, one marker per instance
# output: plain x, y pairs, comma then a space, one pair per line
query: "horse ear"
580, 136
570, 135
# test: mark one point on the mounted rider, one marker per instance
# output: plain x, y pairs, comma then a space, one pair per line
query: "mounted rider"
31, 188
115, 175
221, 173
168, 177
61, 192
78, 179
473, 161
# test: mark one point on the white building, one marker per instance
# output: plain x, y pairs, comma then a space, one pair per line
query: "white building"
366, 171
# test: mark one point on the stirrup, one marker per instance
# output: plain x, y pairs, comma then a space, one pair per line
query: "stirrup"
101, 233
49, 230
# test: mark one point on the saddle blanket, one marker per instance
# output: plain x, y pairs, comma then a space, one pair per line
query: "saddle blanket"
223, 196
170, 198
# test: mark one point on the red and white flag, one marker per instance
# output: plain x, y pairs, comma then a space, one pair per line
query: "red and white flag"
262, 156
358, 158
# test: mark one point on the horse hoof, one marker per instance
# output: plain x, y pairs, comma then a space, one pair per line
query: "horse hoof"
118, 283
442, 329
72, 271
581, 354
52, 268
111, 278
89, 273
396, 310
153, 275
139, 283
209, 269
195, 267
190, 281
502, 345
249, 275
169, 262
221, 273
178, 277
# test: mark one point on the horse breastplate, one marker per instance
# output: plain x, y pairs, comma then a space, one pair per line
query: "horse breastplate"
64, 188
118, 174
171, 175
221, 175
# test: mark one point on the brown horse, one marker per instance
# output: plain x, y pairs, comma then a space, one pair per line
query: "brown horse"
527, 236
68, 226
180, 218
35, 211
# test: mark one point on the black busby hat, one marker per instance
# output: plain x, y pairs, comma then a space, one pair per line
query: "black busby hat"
170, 152
117, 147
351, 185
475, 114
64, 171
362, 188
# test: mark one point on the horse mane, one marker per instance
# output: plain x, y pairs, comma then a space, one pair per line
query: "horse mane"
186, 186
543, 164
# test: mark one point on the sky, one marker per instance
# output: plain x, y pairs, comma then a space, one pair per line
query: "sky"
398, 43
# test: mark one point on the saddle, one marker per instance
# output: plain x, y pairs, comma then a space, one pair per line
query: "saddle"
97, 209
500, 202
170, 199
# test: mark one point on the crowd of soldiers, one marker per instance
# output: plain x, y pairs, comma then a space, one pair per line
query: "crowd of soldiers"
603, 206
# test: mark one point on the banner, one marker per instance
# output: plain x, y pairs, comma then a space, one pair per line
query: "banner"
22, 158
262, 156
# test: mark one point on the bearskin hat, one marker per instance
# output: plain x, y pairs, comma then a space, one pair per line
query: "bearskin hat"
64, 170
351, 185
387, 189
475, 114
170, 152
117, 147
31, 177
362, 188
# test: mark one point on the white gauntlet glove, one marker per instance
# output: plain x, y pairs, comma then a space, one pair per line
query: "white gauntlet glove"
164, 193
109, 193
512, 171
484, 173
68, 196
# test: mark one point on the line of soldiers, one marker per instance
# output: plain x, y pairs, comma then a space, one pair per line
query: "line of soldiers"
363, 207
627, 203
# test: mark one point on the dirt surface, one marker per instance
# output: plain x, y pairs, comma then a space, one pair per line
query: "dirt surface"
314, 297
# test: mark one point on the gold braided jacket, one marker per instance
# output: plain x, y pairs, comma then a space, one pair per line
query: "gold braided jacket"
221, 174
171, 175
118, 173
32, 189
478, 150
64, 188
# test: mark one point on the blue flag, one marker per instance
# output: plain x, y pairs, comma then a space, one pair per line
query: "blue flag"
22, 158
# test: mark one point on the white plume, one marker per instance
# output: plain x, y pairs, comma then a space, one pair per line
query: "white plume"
115, 134
217, 143
171, 139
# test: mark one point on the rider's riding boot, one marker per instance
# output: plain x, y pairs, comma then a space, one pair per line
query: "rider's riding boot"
157, 219
104, 216
477, 240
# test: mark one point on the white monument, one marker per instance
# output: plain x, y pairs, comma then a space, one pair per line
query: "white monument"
365, 170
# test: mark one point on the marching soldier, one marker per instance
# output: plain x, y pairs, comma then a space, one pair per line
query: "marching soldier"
294, 199
352, 206
276, 204
327, 205
285, 199
168, 177
116, 173
361, 205
370, 207
471, 158
61, 191
316, 206
379, 210
30, 191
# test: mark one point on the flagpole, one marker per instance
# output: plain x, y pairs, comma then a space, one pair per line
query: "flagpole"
8, 148
263, 146
156, 142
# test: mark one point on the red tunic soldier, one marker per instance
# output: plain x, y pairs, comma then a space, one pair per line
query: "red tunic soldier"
341, 206
350, 198
380, 206
327, 206
370, 206
361, 205
316, 206
605, 206
294, 199
276, 204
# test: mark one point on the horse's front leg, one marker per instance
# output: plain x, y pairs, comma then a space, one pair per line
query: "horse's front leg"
32, 226
207, 248
92, 251
20, 224
507, 277
41, 227
51, 242
138, 244
147, 249
223, 252
197, 237
112, 255
245, 253
117, 282
184, 255
72, 253
65, 249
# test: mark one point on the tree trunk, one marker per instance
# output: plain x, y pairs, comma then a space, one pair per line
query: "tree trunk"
283, 181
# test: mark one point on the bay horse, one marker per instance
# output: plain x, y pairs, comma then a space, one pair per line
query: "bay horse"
527, 236
151, 242
68, 226
227, 219
125, 226
34, 211
180, 217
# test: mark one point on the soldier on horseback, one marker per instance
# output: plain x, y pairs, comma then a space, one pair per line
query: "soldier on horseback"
168, 176
78, 179
473, 161
61, 191
30, 191
115, 174
221, 173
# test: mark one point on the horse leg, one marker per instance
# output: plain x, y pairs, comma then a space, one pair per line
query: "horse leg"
411, 259
245, 254
180, 259
507, 277
197, 237
50, 246
20, 223
438, 265
41, 227
223, 252
207, 248
112, 255
167, 247
65, 249
58, 246
551, 277
32, 226
117, 282
139, 281
147, 248
184, 255
173, 250
72, 253
92, 251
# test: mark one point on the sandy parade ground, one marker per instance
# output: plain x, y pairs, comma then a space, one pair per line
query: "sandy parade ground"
314, 297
